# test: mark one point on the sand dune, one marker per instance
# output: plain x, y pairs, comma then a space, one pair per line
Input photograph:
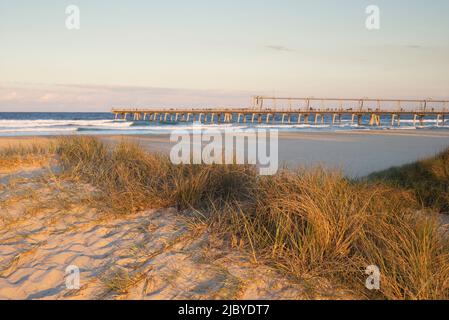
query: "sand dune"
47, 224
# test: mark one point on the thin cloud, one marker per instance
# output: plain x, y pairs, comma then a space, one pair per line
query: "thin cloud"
279, 48
79, 97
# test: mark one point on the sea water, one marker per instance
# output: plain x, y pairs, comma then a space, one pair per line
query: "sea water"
48, 123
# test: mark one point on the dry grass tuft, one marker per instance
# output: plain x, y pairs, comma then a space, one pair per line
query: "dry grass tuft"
133, 180
33, 153
317, 222
130, 179
428, 179
120, 281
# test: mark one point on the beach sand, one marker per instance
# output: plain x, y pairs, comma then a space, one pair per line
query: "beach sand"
48, 223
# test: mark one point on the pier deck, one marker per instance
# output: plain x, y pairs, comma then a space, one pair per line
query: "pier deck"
301, 110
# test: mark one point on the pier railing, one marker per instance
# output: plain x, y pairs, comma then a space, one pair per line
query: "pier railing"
423, 105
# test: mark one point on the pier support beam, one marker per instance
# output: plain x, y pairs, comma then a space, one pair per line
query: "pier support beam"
268, 117
393, 119
374, 120
306, 119
421, 120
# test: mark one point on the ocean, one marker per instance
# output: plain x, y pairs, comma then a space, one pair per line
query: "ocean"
48, 123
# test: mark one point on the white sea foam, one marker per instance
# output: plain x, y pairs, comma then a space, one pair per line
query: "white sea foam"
37, 130
105, 126
59, 123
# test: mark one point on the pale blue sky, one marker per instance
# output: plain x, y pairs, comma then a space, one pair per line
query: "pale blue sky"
195, 52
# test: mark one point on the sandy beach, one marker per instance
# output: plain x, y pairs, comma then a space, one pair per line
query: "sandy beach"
48, 223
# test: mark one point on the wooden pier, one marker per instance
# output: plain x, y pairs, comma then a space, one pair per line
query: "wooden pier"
301, 111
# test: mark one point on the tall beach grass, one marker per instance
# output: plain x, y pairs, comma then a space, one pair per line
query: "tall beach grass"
428, 179
307, 222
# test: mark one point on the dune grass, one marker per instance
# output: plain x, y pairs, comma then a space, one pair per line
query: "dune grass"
306, 222
34, 152
428, 179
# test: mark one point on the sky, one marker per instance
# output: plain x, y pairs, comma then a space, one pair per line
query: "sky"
217, 53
